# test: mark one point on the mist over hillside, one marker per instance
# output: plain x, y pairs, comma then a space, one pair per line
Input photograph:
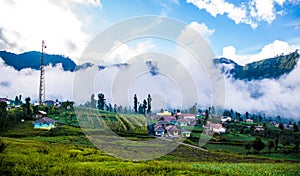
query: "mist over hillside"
272, 68
270, 86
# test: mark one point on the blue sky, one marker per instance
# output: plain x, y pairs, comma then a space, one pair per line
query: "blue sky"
281, 23
236, 29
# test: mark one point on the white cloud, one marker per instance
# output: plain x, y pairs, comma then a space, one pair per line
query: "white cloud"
27, 23
263, 10
280, 2
271, 50
272, 97
59, 83
269, 96
123, 52
251, 13
220, 7
229, 52
202, 29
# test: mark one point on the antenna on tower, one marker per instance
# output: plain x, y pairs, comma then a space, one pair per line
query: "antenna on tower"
42, 77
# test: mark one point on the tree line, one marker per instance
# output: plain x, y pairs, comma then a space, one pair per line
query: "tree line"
12, 115
144, 107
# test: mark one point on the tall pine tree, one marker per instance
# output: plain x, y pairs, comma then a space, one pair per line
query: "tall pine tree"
135, 102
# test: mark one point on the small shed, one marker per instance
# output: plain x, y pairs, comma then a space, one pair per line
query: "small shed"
44, 123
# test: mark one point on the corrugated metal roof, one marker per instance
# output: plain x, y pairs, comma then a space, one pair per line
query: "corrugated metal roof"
45, 120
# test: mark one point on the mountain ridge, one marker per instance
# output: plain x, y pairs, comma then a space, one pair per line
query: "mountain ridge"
272, 68
32, 59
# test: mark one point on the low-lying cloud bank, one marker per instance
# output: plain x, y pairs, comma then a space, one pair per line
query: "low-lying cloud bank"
269, 96
26, 82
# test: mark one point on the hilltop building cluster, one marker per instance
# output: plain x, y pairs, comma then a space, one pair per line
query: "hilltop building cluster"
173, 126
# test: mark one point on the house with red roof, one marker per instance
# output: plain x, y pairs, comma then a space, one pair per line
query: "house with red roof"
183, 122
172, 130
188, 116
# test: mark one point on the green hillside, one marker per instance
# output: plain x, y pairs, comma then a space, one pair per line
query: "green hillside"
68, 152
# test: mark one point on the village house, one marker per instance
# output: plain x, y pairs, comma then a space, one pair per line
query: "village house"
168, 118
163, 123
174, 122
164, 113
249, 120
188, 116
44, 123
172, 131
171, 119
7, 101
183, 122
49, 102
185, 133
216, 128
168, 125
159, 130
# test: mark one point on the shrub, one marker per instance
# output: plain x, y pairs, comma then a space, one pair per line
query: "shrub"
258, 145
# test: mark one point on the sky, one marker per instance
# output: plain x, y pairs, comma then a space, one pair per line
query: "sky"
244, 31
241, 30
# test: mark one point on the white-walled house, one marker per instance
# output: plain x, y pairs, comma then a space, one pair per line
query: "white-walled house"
183, 122
165, 113
217, 128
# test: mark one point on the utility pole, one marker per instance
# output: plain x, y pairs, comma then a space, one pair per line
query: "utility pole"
42, 77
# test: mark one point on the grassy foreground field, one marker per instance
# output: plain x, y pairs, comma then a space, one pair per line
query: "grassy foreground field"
68, 152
